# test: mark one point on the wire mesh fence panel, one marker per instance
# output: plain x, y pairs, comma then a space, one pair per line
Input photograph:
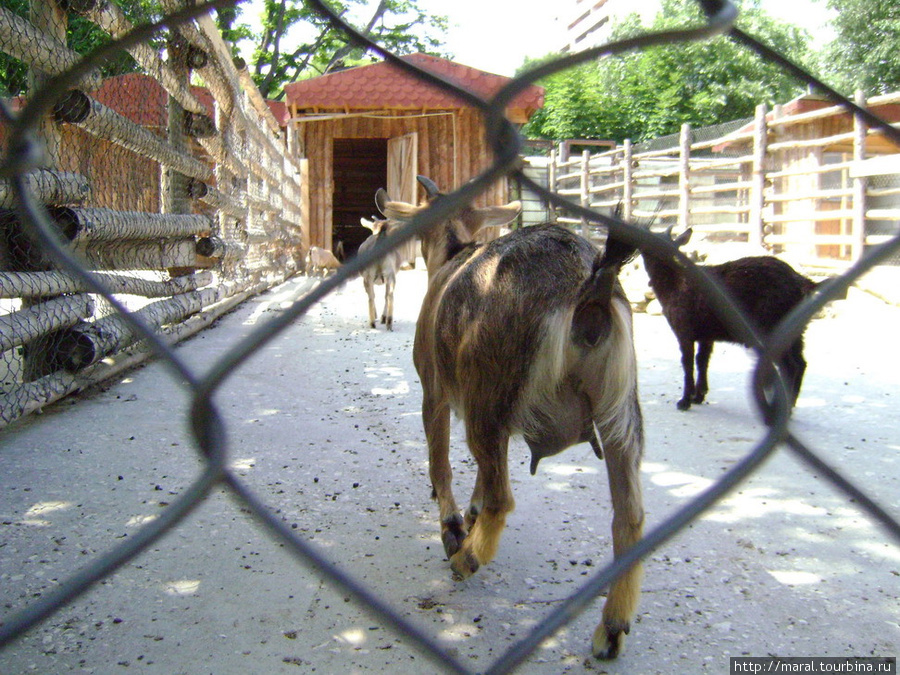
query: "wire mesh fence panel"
136, 204
149, 178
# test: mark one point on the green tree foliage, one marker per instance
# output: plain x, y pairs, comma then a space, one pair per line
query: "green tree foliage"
293, 42
653, 91
296, 43
865, 53
82, 37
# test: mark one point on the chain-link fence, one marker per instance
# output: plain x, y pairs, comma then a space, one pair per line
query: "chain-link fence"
38, 245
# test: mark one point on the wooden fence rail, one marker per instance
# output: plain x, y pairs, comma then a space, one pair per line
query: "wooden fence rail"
814, 185
179, 192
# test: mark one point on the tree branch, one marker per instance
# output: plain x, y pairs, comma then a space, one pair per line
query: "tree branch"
367, 31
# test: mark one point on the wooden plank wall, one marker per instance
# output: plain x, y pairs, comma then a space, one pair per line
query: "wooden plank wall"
440, 146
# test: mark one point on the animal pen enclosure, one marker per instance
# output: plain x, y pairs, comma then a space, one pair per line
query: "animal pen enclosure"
807, 180
244, 174
184, 198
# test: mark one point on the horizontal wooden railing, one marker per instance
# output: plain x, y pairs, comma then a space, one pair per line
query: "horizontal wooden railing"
814, 196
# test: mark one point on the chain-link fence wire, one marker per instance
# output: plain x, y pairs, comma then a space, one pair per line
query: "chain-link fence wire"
207, 421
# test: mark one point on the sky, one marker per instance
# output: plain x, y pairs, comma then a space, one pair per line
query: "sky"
497, 35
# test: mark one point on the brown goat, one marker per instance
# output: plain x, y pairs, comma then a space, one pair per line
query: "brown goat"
529, 334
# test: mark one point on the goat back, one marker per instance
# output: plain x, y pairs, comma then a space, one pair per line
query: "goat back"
501, 327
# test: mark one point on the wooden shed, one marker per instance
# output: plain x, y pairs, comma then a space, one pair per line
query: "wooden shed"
377, 126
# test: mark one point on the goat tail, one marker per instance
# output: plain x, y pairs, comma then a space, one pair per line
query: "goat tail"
616, 254
591, 322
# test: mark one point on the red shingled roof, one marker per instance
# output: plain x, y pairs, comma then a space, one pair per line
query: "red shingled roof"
142, 99
279, 110
385, 86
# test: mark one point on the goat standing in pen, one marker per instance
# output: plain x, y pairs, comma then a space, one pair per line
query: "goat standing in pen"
764, 287
384, 271
319, 261
529, 334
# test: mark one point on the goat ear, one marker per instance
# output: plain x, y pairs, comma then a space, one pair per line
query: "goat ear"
492, 216
381, 198
684, 237
399, 211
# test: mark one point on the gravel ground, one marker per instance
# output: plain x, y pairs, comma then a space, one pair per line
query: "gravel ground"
324, 425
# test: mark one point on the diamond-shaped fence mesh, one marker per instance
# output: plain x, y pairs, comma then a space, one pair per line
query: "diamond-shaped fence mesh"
138, 206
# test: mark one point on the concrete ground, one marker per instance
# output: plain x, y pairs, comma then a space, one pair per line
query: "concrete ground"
324, 425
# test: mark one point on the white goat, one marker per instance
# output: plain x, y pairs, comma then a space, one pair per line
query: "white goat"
319, 261
529, 334
384, 271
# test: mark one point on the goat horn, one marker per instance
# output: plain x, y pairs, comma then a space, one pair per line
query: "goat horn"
430, 188
669, 230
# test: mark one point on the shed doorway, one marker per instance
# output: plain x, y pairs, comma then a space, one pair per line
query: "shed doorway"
361, 166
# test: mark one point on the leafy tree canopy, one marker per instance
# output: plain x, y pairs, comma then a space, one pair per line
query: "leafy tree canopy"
653, 91
295, 43
864, 53
289, 40
82, 37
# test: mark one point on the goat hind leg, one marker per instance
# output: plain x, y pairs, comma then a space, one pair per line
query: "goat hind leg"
795, 368
623, 458
476, 503
704, 352
436, 419
388, 317
489, 446
687, 365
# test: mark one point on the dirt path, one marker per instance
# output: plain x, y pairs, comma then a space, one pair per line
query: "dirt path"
324, 425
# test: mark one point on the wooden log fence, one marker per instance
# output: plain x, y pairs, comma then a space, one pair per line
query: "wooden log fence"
27, 325
49, 284
49, 187
797, 184
217, 201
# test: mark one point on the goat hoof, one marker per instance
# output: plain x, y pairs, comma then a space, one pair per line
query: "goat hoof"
464, 564
699, 398
609, 641
683, 404
471, 517
452, 542
453, 534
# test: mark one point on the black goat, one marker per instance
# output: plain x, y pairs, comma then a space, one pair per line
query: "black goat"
764, 287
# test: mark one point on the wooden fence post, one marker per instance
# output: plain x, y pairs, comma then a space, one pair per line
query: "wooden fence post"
554, 162
585, 190
174, 184
859, 184
757, 179
684, 176
627, 180
49, 18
